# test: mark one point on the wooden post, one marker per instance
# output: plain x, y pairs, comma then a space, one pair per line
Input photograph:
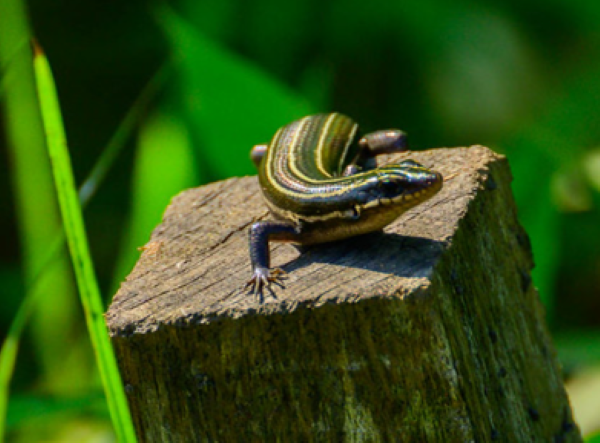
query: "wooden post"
430, 331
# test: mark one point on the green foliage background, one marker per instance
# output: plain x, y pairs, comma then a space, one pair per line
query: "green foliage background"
177, 93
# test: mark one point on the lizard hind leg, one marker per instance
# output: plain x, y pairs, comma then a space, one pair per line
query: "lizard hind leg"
385, 141
257, 153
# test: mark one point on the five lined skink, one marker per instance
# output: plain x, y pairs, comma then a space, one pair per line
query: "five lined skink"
317, 179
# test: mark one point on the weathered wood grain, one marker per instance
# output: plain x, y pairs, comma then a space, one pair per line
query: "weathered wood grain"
429, 331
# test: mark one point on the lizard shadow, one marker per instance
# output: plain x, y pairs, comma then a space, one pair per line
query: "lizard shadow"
389, 253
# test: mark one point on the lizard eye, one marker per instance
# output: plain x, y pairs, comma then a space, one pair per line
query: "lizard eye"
388, 188
353, 213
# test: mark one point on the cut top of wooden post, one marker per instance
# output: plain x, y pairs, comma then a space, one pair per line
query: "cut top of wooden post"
196, 263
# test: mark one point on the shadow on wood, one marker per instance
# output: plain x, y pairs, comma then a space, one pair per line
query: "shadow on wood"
429, 331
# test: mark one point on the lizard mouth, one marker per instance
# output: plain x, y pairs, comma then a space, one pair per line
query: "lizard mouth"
432, 185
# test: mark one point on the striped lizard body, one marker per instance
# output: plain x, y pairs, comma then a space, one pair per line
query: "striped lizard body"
316, 181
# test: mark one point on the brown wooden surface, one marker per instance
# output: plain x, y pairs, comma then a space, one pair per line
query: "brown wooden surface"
429, 331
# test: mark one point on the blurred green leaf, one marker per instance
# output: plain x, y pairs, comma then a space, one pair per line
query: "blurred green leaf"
75, 418
570, 190
278, 39
38, 224
591, 167
538, 215
25, 408
164, 166
579, 347
230, 104
214, 17
592, 438
555, 141
489, 79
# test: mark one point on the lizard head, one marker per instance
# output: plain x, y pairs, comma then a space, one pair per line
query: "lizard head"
404, 185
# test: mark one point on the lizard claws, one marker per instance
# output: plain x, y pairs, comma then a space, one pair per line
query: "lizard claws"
262, 278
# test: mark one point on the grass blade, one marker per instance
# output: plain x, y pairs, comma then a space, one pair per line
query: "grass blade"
8, 356
123, 133
78, 247
38, 217
10, 346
